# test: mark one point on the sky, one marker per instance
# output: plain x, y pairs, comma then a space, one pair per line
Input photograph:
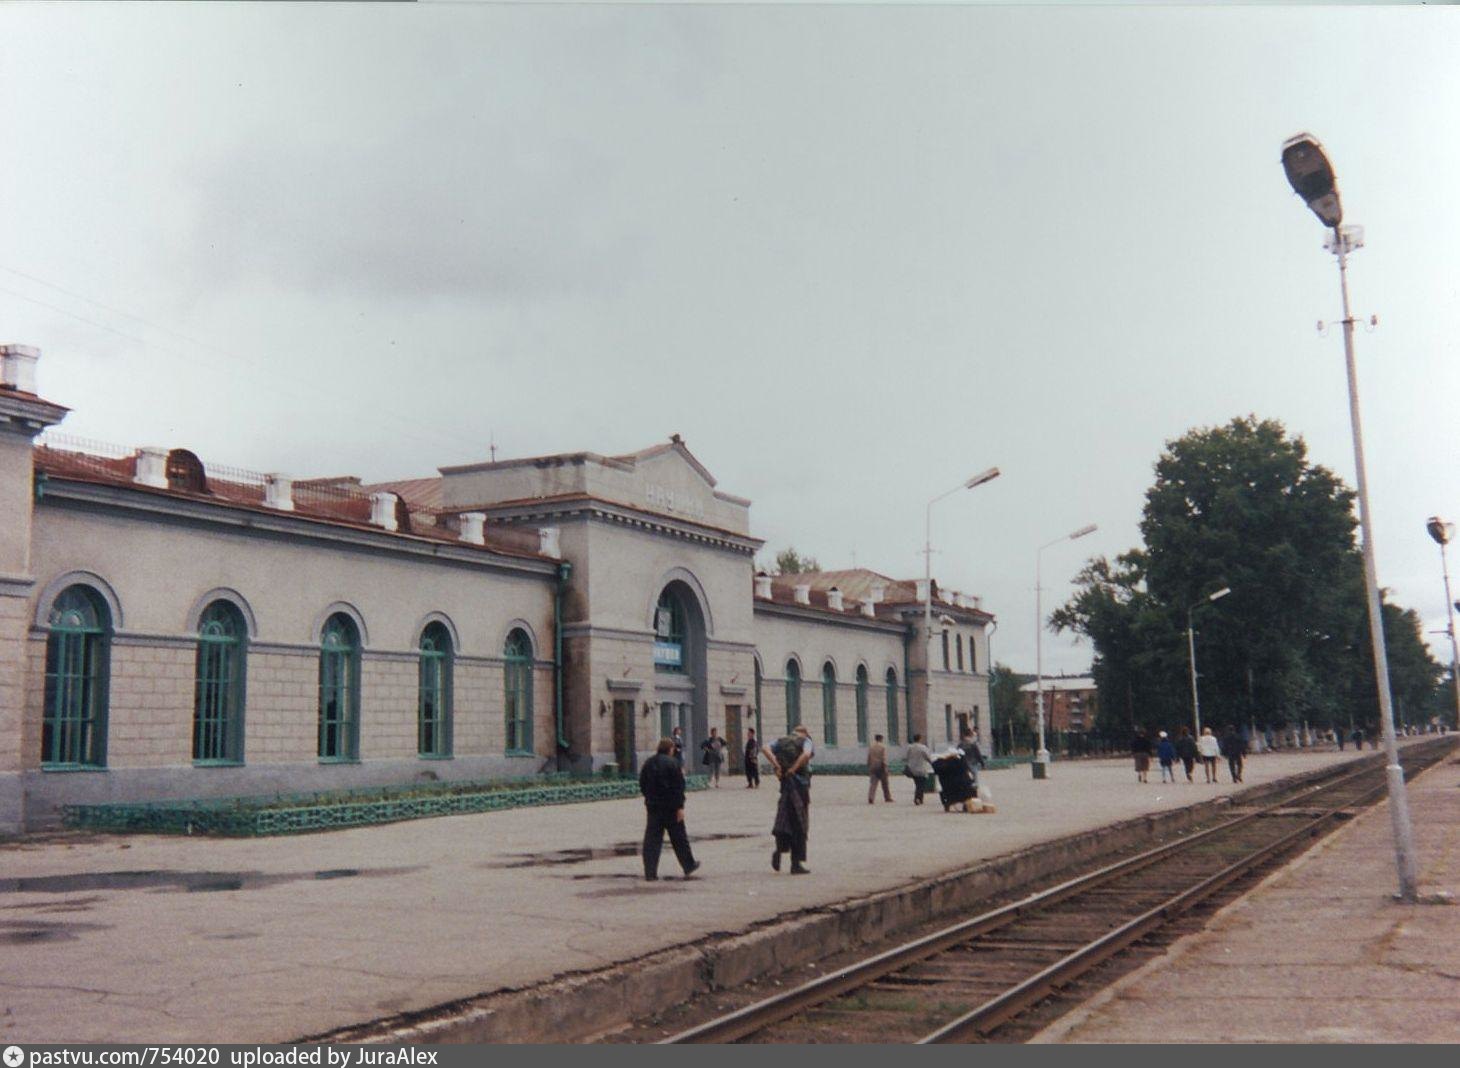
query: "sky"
853, 254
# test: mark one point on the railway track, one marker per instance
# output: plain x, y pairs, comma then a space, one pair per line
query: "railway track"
973, 981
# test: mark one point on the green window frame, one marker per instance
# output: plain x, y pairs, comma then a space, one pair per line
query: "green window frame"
945, 651
892, 706
517, 684
78, 658
861, 704
434, 693
793, 695
759, 734
828, 703
972, 655
669, 631
339, 690
219, 678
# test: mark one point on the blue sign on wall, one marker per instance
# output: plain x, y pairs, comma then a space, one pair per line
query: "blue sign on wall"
670, 654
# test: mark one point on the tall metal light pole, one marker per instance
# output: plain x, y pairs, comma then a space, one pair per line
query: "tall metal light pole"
1040, 767
1311, 176
977, 480
1442, 532
1191, 650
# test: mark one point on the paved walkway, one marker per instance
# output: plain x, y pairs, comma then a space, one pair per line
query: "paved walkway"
167, 939
1320, 952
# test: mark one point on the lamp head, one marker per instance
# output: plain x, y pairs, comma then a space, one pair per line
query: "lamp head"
1311, 176
982, 477
1219, 594
1441, 531
1083, 531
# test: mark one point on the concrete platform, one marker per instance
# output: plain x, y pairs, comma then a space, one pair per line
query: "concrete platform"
1319, 952
160, 939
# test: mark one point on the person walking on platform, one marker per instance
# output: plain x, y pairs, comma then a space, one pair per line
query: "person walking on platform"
714, 755
972, 756
1166, 757
1186, 750
752, 760
1209, 748
677, 737
791, 758
877, 770
917, 766
1140, 747
662, 783
1233, 750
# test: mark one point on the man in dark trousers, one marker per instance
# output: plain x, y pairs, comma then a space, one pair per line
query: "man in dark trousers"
972, 755
662, 783
1233, 748
752, 760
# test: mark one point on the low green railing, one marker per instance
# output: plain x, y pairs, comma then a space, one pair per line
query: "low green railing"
333, 810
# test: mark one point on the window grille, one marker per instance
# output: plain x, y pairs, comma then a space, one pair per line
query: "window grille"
73, 728
218, 686
518, 653
339, 690
433, 693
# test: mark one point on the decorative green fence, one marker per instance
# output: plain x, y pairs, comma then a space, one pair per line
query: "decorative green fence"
299, 813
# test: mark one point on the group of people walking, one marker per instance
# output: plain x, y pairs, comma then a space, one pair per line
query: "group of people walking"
1188, 750
661, 781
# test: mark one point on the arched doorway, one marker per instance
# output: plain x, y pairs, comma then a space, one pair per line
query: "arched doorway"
680, 687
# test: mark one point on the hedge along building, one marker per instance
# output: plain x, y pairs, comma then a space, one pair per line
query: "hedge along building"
170, 629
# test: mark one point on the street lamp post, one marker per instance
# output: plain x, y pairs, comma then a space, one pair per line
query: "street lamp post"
971, 483
1311, 176
1040, 767
1442, 532
1191, 651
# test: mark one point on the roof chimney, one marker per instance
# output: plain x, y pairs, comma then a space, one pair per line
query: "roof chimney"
17, 367
922, 593
879, 591
763, 587
834, 599
382, 510
869, 608
803, 593
472, 527
279, 492
151, 467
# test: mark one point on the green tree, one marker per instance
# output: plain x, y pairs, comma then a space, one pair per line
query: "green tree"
1237, 506
1009, 719
789, 562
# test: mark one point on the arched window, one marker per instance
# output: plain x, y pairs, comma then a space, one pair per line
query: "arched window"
861, 704
892, 707
972, 659
669, 633
958, 639
828, 703
518, 655
793, 695
73, 731
185, 472
339, 689
433, 693
218, 685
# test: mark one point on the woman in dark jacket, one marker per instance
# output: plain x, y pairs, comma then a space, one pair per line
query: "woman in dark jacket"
1186, 750
1140, 747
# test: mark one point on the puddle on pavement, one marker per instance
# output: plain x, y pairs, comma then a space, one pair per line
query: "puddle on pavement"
587, 853
192, 882
27, 933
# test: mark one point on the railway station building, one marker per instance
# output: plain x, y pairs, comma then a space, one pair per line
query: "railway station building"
171, 628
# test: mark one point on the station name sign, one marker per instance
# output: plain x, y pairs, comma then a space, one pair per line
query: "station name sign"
675, 502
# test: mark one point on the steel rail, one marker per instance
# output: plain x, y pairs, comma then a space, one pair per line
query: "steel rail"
1037, 987
746, 1021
